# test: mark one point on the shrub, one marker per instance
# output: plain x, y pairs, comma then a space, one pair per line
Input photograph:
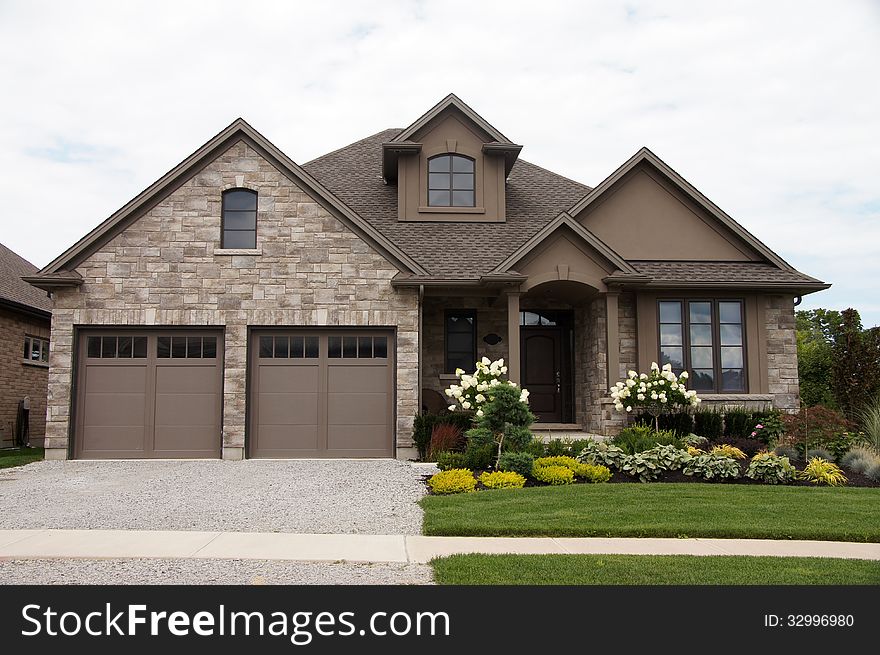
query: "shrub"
535, 448
748, 446
453, 481
712, 466
869, 421
502, 480
423, 427
479, 456
445, 438
603, 453
446, 461
503, 420
642, 437
657, 392
553, 474
693, 452
593, 473
737, 423
822, 472
473, 392
709, 423
681, 423
694, 440
815, 425
873, 471
521, 462
770, 469
858, 460
787, 451
767, 426
728, 451
821, 453
558, 447
558, 460
840, 444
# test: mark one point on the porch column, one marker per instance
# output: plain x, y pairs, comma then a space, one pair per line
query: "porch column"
612, 326
513, 370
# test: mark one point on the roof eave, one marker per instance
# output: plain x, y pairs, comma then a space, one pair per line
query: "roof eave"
50, 282
26, 309
510, 152
799, 288
391, 153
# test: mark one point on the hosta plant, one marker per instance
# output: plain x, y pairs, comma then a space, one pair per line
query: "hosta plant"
770, 469
650, 464
822, 472
728, 451
555, 475
712, 466
453, 481
502, 480
601, 452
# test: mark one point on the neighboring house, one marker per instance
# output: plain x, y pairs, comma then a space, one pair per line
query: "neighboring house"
247, 306
25, 315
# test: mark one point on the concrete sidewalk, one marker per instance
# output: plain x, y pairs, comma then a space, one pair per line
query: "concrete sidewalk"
105, 544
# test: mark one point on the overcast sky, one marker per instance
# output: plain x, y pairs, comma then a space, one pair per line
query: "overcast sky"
772, 109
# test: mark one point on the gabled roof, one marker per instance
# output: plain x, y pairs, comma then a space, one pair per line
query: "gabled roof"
451, 101
644, 155
402, 144
238, 130
14, 291
583, 234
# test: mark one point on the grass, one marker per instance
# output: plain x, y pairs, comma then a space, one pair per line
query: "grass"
660, 510
19, 456
651, 570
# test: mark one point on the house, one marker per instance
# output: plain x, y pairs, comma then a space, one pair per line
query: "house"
246, 306
25, 314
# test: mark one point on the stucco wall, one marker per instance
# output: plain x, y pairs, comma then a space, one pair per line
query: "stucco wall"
19, 379
163, 270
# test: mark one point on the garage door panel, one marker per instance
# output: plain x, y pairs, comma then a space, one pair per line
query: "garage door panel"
184, 379
358, 439
289, 379
186, 409
114, 409
116, 379
116, 438
356, 379
185, 439
288, 409
357, 408
275, 440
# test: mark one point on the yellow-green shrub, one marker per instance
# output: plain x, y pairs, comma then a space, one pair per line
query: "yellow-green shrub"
553, 474
728, 451
558, 460
593, 472
694, 451
453, 481
502, 480
820, 471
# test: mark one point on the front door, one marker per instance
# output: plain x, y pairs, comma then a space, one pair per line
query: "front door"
545, 372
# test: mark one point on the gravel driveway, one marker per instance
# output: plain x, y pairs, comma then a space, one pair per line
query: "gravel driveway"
307, 496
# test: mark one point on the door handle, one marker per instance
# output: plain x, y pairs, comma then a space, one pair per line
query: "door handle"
558, 382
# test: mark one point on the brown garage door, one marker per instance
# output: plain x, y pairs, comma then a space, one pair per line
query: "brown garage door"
321, 394
149, 394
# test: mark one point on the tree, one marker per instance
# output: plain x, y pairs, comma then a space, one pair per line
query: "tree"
855, 367
817, 330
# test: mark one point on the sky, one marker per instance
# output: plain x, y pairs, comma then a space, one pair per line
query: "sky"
771, 109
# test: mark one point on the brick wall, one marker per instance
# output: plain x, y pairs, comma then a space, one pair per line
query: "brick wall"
163, 270
18, 379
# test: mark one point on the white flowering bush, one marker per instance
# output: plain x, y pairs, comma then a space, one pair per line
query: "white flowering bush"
474, 389
656, 392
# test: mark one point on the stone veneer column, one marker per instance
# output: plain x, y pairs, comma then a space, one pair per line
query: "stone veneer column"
612, 328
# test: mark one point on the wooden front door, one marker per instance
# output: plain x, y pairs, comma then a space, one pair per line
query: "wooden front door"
544, 372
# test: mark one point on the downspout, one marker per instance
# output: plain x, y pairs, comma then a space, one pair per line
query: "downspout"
421, 299
797, 300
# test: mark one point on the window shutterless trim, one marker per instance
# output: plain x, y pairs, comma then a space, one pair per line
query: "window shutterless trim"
463, 313
224, 211
450, 172
717, 370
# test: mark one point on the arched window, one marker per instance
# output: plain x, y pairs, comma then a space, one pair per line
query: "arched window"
239, 219
450, 181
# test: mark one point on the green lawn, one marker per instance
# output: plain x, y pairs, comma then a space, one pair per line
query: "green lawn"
19, 456
651, 570
660, 510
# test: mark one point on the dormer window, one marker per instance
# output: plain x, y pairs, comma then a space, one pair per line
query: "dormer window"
450, 181
239, 219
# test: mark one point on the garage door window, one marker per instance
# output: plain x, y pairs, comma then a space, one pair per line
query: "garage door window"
294, 347
181, 347
357, 347
117, 347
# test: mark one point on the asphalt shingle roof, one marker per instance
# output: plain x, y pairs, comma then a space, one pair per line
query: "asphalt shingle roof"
13, 288
718, 272
535, 196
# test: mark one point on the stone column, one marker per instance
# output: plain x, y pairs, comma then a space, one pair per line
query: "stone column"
513, 358
612, 326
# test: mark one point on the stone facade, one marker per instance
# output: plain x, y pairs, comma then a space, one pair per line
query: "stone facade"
20, 378
782, 362
166, 269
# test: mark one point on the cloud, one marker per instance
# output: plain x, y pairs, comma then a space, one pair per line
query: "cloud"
768, 108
